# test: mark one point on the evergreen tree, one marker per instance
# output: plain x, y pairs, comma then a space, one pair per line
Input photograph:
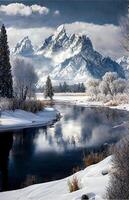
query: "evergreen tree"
48, 92
83, 89
65, 87
60, 88
6, 83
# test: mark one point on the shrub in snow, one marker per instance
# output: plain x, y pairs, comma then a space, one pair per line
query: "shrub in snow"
122, 98
109, 87
76, 169
112, 103
4, 104
118, 187
111, 84
73, 184
119, 86
25, 79
93, 88
28, 105
94, 158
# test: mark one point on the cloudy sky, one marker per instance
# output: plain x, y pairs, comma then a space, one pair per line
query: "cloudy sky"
40, 18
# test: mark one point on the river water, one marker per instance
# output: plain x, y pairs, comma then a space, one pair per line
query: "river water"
37, 155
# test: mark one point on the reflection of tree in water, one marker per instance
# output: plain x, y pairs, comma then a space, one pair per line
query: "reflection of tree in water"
87, 119
22, 152
111, 115
73, 112
23, 142
6, 141
58, 138
30, 180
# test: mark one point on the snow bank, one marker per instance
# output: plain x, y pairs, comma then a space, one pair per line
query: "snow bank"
73, 98
91, 179
81, 99
18, 119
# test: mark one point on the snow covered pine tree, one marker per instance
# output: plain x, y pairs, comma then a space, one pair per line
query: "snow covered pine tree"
6, 83
48, 92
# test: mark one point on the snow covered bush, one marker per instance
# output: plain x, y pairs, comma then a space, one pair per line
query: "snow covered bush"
28, 105
122, 97
109, 87
93, 88
73, 184
24, 78
111, 84
118, 187
4, 104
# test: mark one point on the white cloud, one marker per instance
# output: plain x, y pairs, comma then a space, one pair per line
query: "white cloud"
23, 10
37, 35
57, 12
105, 38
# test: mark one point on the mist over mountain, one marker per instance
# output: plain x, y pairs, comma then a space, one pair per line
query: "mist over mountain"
70, 58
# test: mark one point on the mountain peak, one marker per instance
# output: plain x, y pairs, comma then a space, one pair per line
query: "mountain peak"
61, 28
60, 33
24, 47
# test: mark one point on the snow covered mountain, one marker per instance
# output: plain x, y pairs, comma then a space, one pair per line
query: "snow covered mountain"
124, 62
73, 57
24, 47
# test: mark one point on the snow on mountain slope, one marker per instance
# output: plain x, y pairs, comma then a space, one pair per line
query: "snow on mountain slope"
124, 62
72, 58
75, 59
24, 47
60, 46
85, 65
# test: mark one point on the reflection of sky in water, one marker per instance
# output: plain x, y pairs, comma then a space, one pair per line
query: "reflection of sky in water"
79, 127
45, 154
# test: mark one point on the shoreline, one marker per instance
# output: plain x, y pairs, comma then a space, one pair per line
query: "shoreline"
59, 190
19, 119
80, 99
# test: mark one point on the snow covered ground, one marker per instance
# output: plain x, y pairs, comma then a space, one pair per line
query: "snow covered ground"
81, 99
91, 180
18, 119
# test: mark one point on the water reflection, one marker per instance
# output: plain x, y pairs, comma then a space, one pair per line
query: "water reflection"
48, 153
80, 127
6, 141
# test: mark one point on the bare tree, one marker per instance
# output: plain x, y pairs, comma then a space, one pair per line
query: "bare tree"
93, 87
118, 187
25, 79
112, 84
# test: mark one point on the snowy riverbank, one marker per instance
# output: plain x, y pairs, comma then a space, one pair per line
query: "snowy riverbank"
92, 182
19, 119
81, 99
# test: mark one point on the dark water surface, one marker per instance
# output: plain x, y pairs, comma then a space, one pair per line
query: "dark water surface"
38, 155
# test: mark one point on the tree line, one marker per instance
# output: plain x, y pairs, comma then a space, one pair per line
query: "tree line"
64, 87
